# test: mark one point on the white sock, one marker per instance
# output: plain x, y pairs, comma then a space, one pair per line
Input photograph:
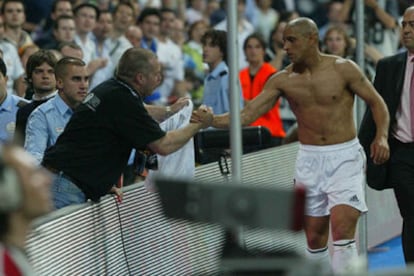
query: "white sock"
320, 256
344, 254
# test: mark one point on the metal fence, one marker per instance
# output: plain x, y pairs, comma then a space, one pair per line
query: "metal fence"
135, 238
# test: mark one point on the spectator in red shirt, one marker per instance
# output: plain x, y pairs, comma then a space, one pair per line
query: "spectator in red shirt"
253, 79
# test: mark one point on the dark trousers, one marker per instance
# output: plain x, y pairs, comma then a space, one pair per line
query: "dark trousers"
401, 175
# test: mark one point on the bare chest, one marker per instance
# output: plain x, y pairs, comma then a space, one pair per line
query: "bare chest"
326, 88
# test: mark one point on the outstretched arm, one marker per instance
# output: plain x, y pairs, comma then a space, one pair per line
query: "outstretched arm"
177, 138
360, 85
254, 108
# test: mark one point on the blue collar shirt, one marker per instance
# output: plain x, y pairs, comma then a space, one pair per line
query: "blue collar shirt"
8, 110
216, 89
45, 124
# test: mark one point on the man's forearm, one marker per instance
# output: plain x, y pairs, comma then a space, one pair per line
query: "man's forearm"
246, 118
159, 113
221, 121
381, 118
175, 139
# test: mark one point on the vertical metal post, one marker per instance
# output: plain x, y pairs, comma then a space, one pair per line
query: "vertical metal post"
235, 124
233, 58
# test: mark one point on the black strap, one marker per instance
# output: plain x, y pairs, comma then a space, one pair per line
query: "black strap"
222, 73
115, 48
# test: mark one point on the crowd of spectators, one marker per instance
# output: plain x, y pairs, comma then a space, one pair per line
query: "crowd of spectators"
100, 31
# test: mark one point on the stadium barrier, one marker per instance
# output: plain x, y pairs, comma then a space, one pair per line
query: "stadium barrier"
135, 238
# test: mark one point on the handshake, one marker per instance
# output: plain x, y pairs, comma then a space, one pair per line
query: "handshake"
202, 116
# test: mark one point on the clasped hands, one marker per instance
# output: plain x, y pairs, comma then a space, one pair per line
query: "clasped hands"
203, 115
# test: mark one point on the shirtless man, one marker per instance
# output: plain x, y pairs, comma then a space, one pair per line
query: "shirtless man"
330, 164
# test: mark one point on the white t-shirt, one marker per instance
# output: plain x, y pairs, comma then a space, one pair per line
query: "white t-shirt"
245, 29
179, 164
171, 58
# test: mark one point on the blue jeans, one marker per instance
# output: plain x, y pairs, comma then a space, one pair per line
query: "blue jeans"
65, 192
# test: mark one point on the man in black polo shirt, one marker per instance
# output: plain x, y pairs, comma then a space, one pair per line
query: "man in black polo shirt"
92, 152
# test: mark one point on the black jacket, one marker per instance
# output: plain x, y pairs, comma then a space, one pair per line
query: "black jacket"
389, 81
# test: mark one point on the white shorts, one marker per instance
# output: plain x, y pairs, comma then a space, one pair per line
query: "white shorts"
332, 175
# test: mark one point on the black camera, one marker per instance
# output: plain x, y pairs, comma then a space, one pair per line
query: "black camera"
145, 160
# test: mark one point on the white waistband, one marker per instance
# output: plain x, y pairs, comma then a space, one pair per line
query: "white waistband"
333, 147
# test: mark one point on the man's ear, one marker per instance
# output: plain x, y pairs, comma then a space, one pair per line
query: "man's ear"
315, 38
59, 84
139, 78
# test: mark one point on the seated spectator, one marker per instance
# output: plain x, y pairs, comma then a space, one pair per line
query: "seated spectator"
63, 31
194, 86
123, 17
40, 77
134, 35
70, 49
266, 17
85, 15
149, 22
26, 51
170, 55
39, 10
215, 12
48, 121
9, 105
194, 49
13, 12
178, 32
195, 11
276, 56
103, 45
338, 42
15, 80
43, 35
335, 17
244, 29
381, 23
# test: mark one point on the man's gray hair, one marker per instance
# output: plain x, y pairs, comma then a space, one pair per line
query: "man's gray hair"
133, 61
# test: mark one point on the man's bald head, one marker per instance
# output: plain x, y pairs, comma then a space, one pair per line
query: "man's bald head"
134, 35
305, 26
409, 10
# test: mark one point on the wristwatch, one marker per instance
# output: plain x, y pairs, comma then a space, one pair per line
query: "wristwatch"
168, 111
